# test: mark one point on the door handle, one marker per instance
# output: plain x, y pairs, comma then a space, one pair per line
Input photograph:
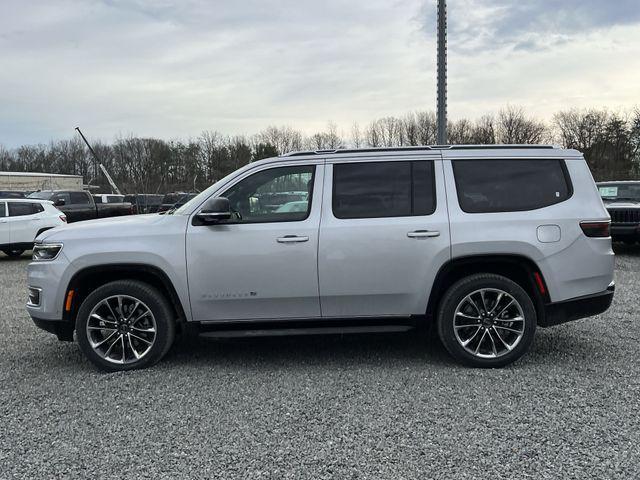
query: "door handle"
292, 239
423, 234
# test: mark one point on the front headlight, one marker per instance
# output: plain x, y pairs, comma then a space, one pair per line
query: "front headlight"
46, 251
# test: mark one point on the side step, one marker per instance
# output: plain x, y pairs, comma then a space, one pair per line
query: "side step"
277, 332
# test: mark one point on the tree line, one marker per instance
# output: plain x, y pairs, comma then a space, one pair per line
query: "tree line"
610, 142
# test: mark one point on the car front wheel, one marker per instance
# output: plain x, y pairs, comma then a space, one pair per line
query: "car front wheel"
125, 325
486, 320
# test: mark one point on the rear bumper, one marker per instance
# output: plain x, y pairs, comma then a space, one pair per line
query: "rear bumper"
576, 308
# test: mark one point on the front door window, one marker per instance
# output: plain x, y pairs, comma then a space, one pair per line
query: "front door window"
275, 195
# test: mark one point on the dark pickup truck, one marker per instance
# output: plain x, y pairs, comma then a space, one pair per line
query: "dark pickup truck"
80, 205
11, 194
144, 203
622, 201
175, 200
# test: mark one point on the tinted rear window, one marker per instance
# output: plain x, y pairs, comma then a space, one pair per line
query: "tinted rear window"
383, 189
19, 209
510, 185
79, 198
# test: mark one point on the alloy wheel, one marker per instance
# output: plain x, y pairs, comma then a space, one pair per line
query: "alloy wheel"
489, 323
121, 329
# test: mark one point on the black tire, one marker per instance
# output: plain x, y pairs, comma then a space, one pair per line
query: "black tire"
156, 302
457, 294
12, 252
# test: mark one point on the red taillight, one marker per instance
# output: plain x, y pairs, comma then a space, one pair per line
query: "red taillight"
596, 229
63, 218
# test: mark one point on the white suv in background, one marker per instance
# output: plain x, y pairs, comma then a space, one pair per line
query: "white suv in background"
488, 243
22, 220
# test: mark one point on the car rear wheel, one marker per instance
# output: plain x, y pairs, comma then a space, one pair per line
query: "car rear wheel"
125, 325
486, 320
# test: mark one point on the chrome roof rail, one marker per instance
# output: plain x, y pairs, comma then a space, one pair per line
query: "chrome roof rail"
415, 148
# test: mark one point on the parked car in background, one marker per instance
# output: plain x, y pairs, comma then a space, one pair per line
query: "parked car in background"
11, 194
175, 200
80, 205
22, 220
488, 243
622, 200
109, 198
144, 202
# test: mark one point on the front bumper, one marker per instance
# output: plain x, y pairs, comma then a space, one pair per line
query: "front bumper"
625, 232
62, 329
49, 279
576, 308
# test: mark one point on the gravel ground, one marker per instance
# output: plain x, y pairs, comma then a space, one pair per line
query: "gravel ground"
377, 406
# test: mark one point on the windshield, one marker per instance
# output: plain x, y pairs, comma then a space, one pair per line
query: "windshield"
621, 191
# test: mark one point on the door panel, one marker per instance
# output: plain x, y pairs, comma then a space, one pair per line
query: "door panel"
23, 227
4, 225
380, 266
261, 270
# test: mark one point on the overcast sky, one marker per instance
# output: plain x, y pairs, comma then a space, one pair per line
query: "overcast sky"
172, 69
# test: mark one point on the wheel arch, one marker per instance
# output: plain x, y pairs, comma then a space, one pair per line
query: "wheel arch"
518, 268
88, 279
42, 230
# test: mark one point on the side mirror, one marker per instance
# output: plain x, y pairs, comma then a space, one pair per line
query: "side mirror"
215, 210
59, 202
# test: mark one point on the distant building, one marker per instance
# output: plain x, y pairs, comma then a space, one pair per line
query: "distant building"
25, 181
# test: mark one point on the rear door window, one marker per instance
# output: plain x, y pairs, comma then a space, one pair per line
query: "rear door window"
61, 196
383, 189
3, 209
506, 185
79, 198
20, 209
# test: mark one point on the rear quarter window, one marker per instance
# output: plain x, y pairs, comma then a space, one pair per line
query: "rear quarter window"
510, 185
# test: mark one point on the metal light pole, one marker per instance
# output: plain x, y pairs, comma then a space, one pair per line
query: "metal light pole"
442, 72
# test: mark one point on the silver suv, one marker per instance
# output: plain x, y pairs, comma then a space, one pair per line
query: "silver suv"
487, 243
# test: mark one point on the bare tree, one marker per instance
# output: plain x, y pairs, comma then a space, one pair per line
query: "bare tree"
514, 127
284, 139
484, 131
461, 132
356, 135
427, 128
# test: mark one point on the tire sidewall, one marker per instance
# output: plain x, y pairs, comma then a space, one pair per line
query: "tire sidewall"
464, 287
165, 325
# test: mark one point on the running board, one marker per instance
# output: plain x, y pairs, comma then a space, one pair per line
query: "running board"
278, 332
